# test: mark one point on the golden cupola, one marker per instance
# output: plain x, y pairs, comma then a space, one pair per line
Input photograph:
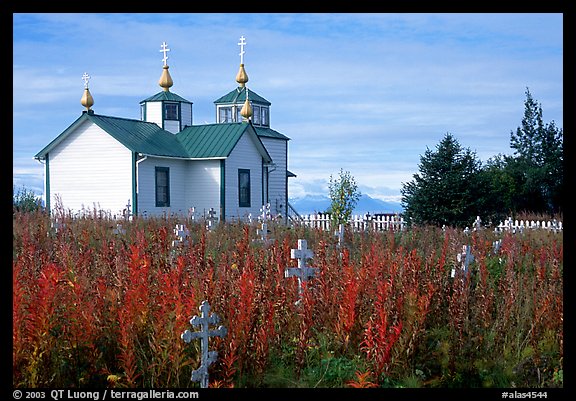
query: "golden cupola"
246, 111
165, 79
87, 100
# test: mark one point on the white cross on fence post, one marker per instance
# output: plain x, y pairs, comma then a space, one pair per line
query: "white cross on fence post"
303, 272
208, 357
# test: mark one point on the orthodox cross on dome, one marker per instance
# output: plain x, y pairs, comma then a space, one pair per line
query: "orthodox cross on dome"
242, 43
164, 49
85, 78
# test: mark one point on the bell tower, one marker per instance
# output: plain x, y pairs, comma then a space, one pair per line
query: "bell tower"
229, 107
167, 109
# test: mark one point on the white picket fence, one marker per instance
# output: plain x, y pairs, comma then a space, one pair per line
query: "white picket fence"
395, 222
378, 222
521, 225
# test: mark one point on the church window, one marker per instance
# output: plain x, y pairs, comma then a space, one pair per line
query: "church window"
162, 187
171, 111
264, 116
225, 115
243, 188
256, 115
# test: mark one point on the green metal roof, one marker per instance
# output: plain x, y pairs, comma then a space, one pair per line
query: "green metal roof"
166, 95
195, 142
270, 133
140, 136
238, 95
217, 140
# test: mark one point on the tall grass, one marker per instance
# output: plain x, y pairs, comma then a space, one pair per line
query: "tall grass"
92, 308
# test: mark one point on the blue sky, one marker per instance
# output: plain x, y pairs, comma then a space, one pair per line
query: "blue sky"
368, 93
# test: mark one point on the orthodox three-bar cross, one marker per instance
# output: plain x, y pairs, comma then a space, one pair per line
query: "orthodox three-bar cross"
164, 49
465, 258
119, 230
208, 357
85, 78
242, 43
211, 218
303, 272
263, 232
182, 233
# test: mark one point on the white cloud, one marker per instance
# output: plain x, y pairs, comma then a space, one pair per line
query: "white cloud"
365, 92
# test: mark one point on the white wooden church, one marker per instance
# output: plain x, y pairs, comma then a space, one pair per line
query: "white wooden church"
163, 164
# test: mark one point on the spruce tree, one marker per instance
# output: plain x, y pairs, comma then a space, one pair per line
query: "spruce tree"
447, 191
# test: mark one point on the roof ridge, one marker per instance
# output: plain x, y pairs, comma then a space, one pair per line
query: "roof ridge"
125, 118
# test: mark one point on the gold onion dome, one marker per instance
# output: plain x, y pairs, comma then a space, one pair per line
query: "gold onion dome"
246, 111
165, 79
87, 99
242, 77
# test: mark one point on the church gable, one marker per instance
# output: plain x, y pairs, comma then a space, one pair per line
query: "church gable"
89, 168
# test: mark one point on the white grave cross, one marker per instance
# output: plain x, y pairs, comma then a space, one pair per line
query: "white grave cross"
477, 223
126, 212
119, 230
208, 357
340, 235
496, 246
465, 258
182, 233
211, 218
303, 272
263, 232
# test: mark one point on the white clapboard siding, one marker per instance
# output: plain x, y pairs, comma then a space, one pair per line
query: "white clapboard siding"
277, 178
147, 186
90, 169
172, 126
203, 186
244, 156
154, 112
186, 111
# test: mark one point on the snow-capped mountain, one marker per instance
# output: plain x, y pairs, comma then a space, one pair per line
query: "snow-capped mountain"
320, 203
